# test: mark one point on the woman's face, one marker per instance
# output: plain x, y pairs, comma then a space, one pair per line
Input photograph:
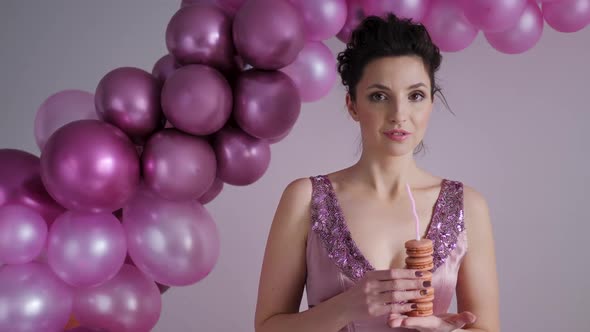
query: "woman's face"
394, 93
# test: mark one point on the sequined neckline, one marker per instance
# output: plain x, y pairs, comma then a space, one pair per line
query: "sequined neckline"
342, 221
329, 224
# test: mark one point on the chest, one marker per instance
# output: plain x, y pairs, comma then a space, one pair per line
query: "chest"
380, 229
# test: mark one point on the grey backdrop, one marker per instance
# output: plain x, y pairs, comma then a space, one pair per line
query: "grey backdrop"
519, 136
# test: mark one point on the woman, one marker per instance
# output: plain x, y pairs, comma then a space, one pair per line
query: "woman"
342, 235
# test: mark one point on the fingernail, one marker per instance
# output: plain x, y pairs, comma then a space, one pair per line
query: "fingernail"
414, 306
427, 283
423, 292
419, 273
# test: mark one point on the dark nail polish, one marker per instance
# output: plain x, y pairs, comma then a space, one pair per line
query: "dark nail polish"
414, 306
423, 292
419, 273
427, 283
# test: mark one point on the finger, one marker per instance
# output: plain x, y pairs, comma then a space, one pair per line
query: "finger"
399, 274
399, 296
400, 308
380, 309
402, 284
397, 322
429, 322
461, 319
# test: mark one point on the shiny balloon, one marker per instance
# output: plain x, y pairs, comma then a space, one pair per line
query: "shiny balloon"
175, 243
201, 34
567, 15
493, 15
267, 103
313, 72
212, 192
230, 7
164, 67
178, 166
129, 98
33, 299
448, 27
321, 19
275, 140
23, 234
197, 100
355, 15
20, 183
86, 249
128, 302
521, 37
414, 9
268, 34
90, 165
85, 329
62, 108
241, 158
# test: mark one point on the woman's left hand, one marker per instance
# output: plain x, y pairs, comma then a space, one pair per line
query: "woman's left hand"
440, 323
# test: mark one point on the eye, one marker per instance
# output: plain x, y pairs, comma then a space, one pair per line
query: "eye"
417, 96
378, 96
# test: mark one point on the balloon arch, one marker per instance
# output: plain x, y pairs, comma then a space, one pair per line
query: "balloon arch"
112, 213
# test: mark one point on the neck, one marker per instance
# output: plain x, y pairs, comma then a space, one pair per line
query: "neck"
386, 175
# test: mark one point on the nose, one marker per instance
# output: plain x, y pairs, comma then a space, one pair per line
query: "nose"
397, 113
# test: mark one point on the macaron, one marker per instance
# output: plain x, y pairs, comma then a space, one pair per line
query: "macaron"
419, 248
428, 297
420, 263
423, 309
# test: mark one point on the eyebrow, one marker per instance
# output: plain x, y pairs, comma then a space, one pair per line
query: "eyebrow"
383, 87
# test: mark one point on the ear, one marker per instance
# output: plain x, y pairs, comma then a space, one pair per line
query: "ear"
351, 106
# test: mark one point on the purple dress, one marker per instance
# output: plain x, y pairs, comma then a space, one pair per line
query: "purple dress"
334, 262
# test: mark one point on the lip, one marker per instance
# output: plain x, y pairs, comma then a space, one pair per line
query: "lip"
393, 135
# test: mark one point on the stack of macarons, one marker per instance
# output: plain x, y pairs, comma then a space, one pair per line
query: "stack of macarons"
419, 257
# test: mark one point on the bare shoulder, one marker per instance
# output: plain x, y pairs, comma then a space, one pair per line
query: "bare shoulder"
295, 204
474, 201
299, 191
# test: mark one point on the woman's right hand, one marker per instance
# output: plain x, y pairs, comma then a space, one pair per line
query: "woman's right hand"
385, 292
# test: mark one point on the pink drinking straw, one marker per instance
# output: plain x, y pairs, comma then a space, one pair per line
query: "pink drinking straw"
415, 212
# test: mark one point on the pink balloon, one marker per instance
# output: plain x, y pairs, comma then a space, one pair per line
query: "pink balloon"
313, 72
414, 9
176, 243
164, 67
86, 249
62, 108
493, 15
90, 165
201, 34
178, 166
321, 19
212, 192
129, 302
33, 299
197, 100
278, 139
523, 36
267, 103
355, 15
230, 7
22, 234
20, 183
241, 158
129, 98
85, 329
448, 27
268, 34
567, 15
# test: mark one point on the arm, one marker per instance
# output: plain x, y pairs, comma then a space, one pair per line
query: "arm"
477, 284
284, 271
